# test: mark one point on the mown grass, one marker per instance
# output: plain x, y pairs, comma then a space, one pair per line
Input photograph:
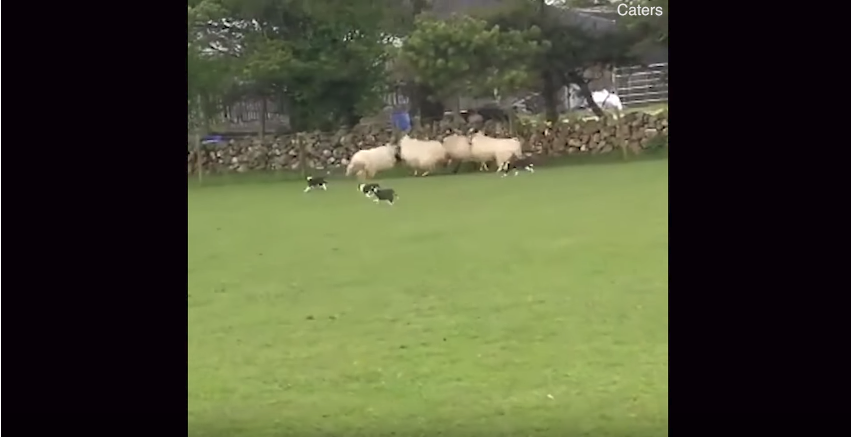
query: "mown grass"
533, 305
402, 171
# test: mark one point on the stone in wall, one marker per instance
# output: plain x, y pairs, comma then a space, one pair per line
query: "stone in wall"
634, 132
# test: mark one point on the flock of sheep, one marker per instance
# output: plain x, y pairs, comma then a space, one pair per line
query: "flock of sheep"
426, 155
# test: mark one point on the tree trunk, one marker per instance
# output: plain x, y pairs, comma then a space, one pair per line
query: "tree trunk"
423, 99
549, 95
430, 109
300, 119
580, 81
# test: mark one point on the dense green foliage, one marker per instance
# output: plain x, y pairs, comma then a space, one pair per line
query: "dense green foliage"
331, 61
325, 58
465, 55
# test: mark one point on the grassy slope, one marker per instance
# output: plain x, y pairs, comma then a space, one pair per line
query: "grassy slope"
534, 305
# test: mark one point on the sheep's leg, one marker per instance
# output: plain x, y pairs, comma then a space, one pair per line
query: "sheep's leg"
416, 172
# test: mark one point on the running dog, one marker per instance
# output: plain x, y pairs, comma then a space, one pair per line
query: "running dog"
315, 182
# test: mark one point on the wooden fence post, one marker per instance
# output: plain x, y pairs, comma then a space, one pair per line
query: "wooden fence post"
263, 110
302, 154
199, 163
201, 121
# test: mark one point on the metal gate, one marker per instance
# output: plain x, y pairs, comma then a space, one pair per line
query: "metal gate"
642, 85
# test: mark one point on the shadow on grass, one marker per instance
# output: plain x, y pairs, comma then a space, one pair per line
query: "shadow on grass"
401, 171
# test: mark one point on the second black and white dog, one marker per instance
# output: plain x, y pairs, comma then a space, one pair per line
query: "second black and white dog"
524, 163
386, 194
315, 182
366, 189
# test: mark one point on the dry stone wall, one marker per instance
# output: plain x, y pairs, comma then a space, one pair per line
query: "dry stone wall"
631, 134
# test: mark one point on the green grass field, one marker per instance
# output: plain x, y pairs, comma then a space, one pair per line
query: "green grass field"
534, 305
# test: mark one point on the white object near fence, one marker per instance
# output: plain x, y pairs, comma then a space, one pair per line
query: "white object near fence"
639, 85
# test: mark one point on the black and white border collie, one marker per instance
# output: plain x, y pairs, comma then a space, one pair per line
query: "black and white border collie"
386, 194
524, 163
315, 182
366, 189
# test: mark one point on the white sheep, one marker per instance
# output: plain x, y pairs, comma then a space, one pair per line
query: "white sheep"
458, 149
484, 148
423, 155
366, 163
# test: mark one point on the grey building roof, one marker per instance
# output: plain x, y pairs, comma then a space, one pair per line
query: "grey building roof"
444, 8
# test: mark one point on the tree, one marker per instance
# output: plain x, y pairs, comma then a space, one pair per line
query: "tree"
325, 58
653, 28
210, 74
464, 55
569, 47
